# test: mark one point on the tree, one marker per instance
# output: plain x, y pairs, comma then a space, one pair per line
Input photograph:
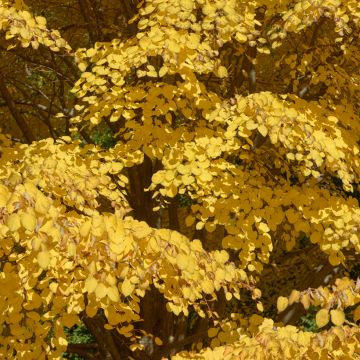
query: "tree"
230, 161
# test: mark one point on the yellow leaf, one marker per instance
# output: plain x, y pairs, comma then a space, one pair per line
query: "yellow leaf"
90, 284
11, 47
315, 237
193, 41
152, 73
187, 179
69, 320
72, 249
4, 195
110, 279
196, 245
13, 222
305, 300
158, 341
100, 291
189, 221
16, 330
222, 72
85, 229
273, 137
163, 71
260, 306
42, 204
36, 243
99, 81
221, 256
207, 286
337, 317
263, 130
182, 261
173, 46
43, 259
28, 221
220, 274
126, 329
25, 34
82, 66
144, 42
98, 226
263, 227
212, 332
210, 227
62, 341
113, 293
40, 20
158, 177
334, 260
187, 4
240, 37
333, 119
282, 303
251, 125
199, 225
168, 118
33, 315
294, 297
53, 287
339, 332
90, 52
127, 287
205, 176
291, 112
322, 317
91, 311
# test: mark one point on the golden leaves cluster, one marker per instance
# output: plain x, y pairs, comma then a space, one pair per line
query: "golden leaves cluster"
229, 19
283, 342
20, 24
224, 191
305, 142
54, 260
184, 48
76, 176
333, 301
294, 132
306, 12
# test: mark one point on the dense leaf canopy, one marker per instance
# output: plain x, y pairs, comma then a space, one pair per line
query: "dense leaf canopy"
181, 177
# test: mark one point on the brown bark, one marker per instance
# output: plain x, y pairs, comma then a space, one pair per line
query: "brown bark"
130, 9
139, 199
84, 10
87, 351
104, 338
173, 215
21, 122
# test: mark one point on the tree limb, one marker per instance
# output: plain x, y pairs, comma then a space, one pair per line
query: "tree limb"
21, 122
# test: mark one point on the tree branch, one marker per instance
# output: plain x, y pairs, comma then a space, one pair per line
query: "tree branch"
84, 350
21, 122
104, 338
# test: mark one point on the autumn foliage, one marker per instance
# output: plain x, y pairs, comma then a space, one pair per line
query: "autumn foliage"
182, 179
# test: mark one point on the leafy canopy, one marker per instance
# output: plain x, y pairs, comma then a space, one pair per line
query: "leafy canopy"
211, 101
